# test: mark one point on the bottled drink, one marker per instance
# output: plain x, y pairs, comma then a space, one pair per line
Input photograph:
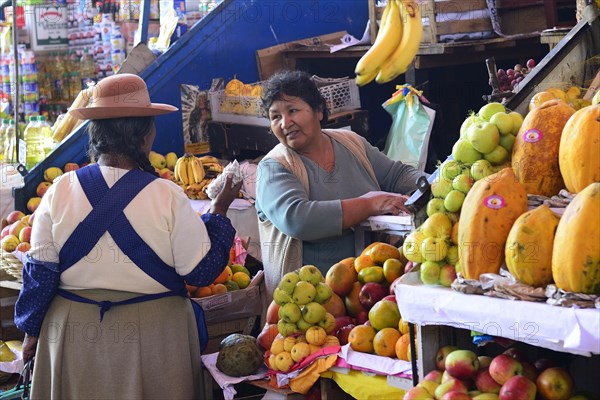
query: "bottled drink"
10, 143
88, 71
2, 138
46, 132
36, 143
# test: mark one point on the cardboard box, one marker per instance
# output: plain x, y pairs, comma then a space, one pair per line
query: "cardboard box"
219, 331
235, 305
271, 59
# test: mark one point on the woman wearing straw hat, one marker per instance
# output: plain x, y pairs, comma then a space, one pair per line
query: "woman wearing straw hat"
104, 303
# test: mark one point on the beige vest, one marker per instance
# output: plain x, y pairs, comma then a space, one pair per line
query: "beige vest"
282, 253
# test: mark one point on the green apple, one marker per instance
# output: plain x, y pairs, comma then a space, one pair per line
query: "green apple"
303, 325
490, 109
484, 136
480, 169
313, 312
328, 323
497, 156
457, 267
462, 183
517, 121
288, 282
435, 205
440, 187
471, 119
452, 256
411, 248
464, 152
323, 292
304, 292
281, 297
310, 273
507, 141
289, 312
503, 122
430, 273
454, 200
434, 249
438, 225
287, 328
450, 169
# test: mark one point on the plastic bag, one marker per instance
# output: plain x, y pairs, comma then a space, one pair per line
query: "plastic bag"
215, 187
408, 139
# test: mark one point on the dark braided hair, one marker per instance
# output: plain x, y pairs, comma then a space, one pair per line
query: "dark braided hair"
121, 136
297, 84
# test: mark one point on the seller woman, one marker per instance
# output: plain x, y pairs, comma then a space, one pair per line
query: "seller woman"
104, 304
310, 187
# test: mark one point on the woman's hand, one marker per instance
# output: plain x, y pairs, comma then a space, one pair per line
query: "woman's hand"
29, 347
221, 203
388, 204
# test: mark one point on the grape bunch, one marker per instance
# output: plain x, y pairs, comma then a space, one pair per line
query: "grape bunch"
509, 78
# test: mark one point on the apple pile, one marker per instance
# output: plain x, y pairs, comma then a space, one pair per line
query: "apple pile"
461, 374
164, 165
16, 232
485, 146
433, 248
50, 174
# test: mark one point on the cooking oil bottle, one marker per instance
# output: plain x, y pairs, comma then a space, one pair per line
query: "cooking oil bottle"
36, 143
46, 131
10, 143
2, 138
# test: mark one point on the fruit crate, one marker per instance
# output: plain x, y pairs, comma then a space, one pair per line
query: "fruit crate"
340, 95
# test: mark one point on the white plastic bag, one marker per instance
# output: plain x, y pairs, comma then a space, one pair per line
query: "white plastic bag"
233, 169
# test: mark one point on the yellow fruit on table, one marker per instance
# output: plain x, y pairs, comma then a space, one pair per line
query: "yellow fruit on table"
52, 173
242, 279
315, 335
278, 345
403, 326
300, 351
9, 243
392, 269
284, 361
288, 343
384, 342
273, 362
402, 347
361, 338
239, 268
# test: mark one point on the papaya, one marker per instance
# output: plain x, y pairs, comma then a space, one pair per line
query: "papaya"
535, 151
528, 251
578, 152
576, 250
489, 210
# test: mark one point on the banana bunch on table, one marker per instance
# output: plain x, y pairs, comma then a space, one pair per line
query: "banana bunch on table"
194, 174
396, 45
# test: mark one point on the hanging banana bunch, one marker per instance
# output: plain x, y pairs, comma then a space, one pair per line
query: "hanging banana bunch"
396, 44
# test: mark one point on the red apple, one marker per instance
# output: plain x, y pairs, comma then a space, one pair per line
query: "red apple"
14, 216
462, 364
440, 357
25, 234
544, 363
70, 167
371, 293
362, 318
447, 274
485, 383
23, 247
529, 371
33, 203
456, 396
343, 333
484, 361
504, 367
16, 228
4, 231
516, 354
166, 173
342, 321
518, 388
453, 385
42, 188
555, 384
434, 376
417, 393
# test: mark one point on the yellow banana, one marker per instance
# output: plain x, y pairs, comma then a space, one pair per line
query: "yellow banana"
183, 173
190, 169
386, 42
197, 169
208, 159
176, 170
406, 51
362, 80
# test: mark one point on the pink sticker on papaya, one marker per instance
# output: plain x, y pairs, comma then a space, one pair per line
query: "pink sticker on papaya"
532, 136
494, 202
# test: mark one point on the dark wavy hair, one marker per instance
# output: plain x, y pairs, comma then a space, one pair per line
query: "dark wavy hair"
293, 83
121, 136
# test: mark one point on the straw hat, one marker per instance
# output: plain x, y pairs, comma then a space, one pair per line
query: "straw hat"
121, 95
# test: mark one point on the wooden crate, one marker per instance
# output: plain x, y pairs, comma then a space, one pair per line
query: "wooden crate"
448, 12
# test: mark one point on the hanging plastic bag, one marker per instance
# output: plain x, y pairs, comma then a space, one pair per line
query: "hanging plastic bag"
408, 139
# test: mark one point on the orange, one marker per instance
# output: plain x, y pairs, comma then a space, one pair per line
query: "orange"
403, 347
363, 262
225, 275
241, 278
361, 338
219, 288
384, 342
203, 291
403, 326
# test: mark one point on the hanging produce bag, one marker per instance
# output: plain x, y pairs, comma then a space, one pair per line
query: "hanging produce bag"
408, 138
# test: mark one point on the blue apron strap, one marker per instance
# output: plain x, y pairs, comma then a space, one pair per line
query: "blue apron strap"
107, 205
202, 330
